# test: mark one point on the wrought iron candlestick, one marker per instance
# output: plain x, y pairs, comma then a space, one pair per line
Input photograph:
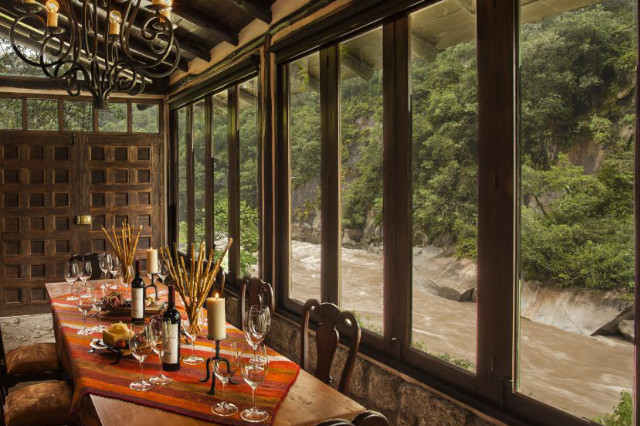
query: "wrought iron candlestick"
214, 358
153, 284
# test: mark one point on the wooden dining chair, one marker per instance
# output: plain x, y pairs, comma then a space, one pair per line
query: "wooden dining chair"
330, 320
96, 272
29, 363
366, 418
260, 293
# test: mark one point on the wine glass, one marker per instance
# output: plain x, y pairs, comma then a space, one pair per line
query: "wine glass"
141, 344
257, 323
116, 269
85, 304
70, 276
224, 369
163, 271
192, 335
124, 282
104, 260
254, 365
155, 325
98, 293
85, 274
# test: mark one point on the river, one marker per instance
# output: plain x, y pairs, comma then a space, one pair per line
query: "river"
581, 374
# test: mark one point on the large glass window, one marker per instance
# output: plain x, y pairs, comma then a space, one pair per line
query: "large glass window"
199, 170
577, 77
220, 111
11, 118
249, 202
181, 171
361, 178
304, 150
113, 118
444, 145
78, 116
42, 114
145, 118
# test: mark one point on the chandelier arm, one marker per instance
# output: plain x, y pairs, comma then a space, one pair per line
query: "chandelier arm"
33, 35
172, 68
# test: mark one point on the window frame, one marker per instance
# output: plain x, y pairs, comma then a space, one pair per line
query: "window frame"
187, 100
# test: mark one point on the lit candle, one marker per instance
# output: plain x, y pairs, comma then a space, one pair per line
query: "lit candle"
166, 13
152, 261
52, 13
115, 18
166, 8
28, 1
216, 318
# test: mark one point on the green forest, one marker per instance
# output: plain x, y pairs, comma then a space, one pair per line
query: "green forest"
577, 90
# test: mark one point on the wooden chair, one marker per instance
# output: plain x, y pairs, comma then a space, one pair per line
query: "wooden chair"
366, 418
331, 319
29, 363
45, 403
96, 272
260, 293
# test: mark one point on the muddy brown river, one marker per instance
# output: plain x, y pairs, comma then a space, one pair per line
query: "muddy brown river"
580, 374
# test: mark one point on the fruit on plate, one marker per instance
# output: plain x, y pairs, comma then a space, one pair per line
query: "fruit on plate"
116, 335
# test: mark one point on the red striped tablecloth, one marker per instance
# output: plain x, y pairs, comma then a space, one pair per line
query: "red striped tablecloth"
93, 373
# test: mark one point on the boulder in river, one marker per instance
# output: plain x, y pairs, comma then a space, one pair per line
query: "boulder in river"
626, 328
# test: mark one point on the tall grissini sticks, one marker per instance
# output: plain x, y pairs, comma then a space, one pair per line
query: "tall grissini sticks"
194, 282
124, 244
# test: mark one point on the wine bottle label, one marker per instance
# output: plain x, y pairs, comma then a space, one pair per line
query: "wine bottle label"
170, 336
137, 302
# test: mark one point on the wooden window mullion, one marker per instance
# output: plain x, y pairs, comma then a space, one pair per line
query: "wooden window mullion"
190, 179
208, 172
330, 171
234, 182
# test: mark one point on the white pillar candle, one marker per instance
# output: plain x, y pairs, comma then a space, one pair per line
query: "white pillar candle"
216, 318
152, 261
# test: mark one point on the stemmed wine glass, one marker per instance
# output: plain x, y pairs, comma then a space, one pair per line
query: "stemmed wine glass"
124, 282
71, 276
104, 260
155, 325
224, 371
98, 293
163, 271
141, 344
116, 269
85, 274
254, 365
188, 330
257, 322
85, 304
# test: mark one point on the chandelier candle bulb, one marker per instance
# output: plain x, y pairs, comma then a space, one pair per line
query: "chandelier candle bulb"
52, 13
28, 1
152, 261
216, 318
115, 18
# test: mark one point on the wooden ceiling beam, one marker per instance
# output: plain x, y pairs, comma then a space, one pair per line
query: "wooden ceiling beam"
206, 23
423, 48
356, 65
257, 8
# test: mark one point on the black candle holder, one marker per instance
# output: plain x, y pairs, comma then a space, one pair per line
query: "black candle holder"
153, 284
208, 366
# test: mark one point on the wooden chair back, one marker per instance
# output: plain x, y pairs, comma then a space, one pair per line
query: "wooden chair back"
331, 319
366, 418
259, 293
96, 272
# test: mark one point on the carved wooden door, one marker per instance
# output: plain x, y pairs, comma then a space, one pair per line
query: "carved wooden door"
46, 180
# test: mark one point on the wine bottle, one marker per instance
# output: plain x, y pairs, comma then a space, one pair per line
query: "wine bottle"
171, 334
137, 296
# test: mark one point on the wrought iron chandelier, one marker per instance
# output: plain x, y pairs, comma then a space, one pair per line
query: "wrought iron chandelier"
85, 44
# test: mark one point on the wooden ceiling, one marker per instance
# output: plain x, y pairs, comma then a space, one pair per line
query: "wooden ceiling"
201, 24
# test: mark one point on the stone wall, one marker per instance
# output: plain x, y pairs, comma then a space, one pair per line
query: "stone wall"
403, 400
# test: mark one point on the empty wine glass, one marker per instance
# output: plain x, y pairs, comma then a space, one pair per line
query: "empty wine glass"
189, 330
155, 325
257, 323
98, 293
254, 365
84, 275
85, 304
104, 260
163, 271
123, 281
141, 344
224, 369
115, 270
71, 276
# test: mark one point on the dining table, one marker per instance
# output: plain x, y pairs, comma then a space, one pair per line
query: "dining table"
308, 400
